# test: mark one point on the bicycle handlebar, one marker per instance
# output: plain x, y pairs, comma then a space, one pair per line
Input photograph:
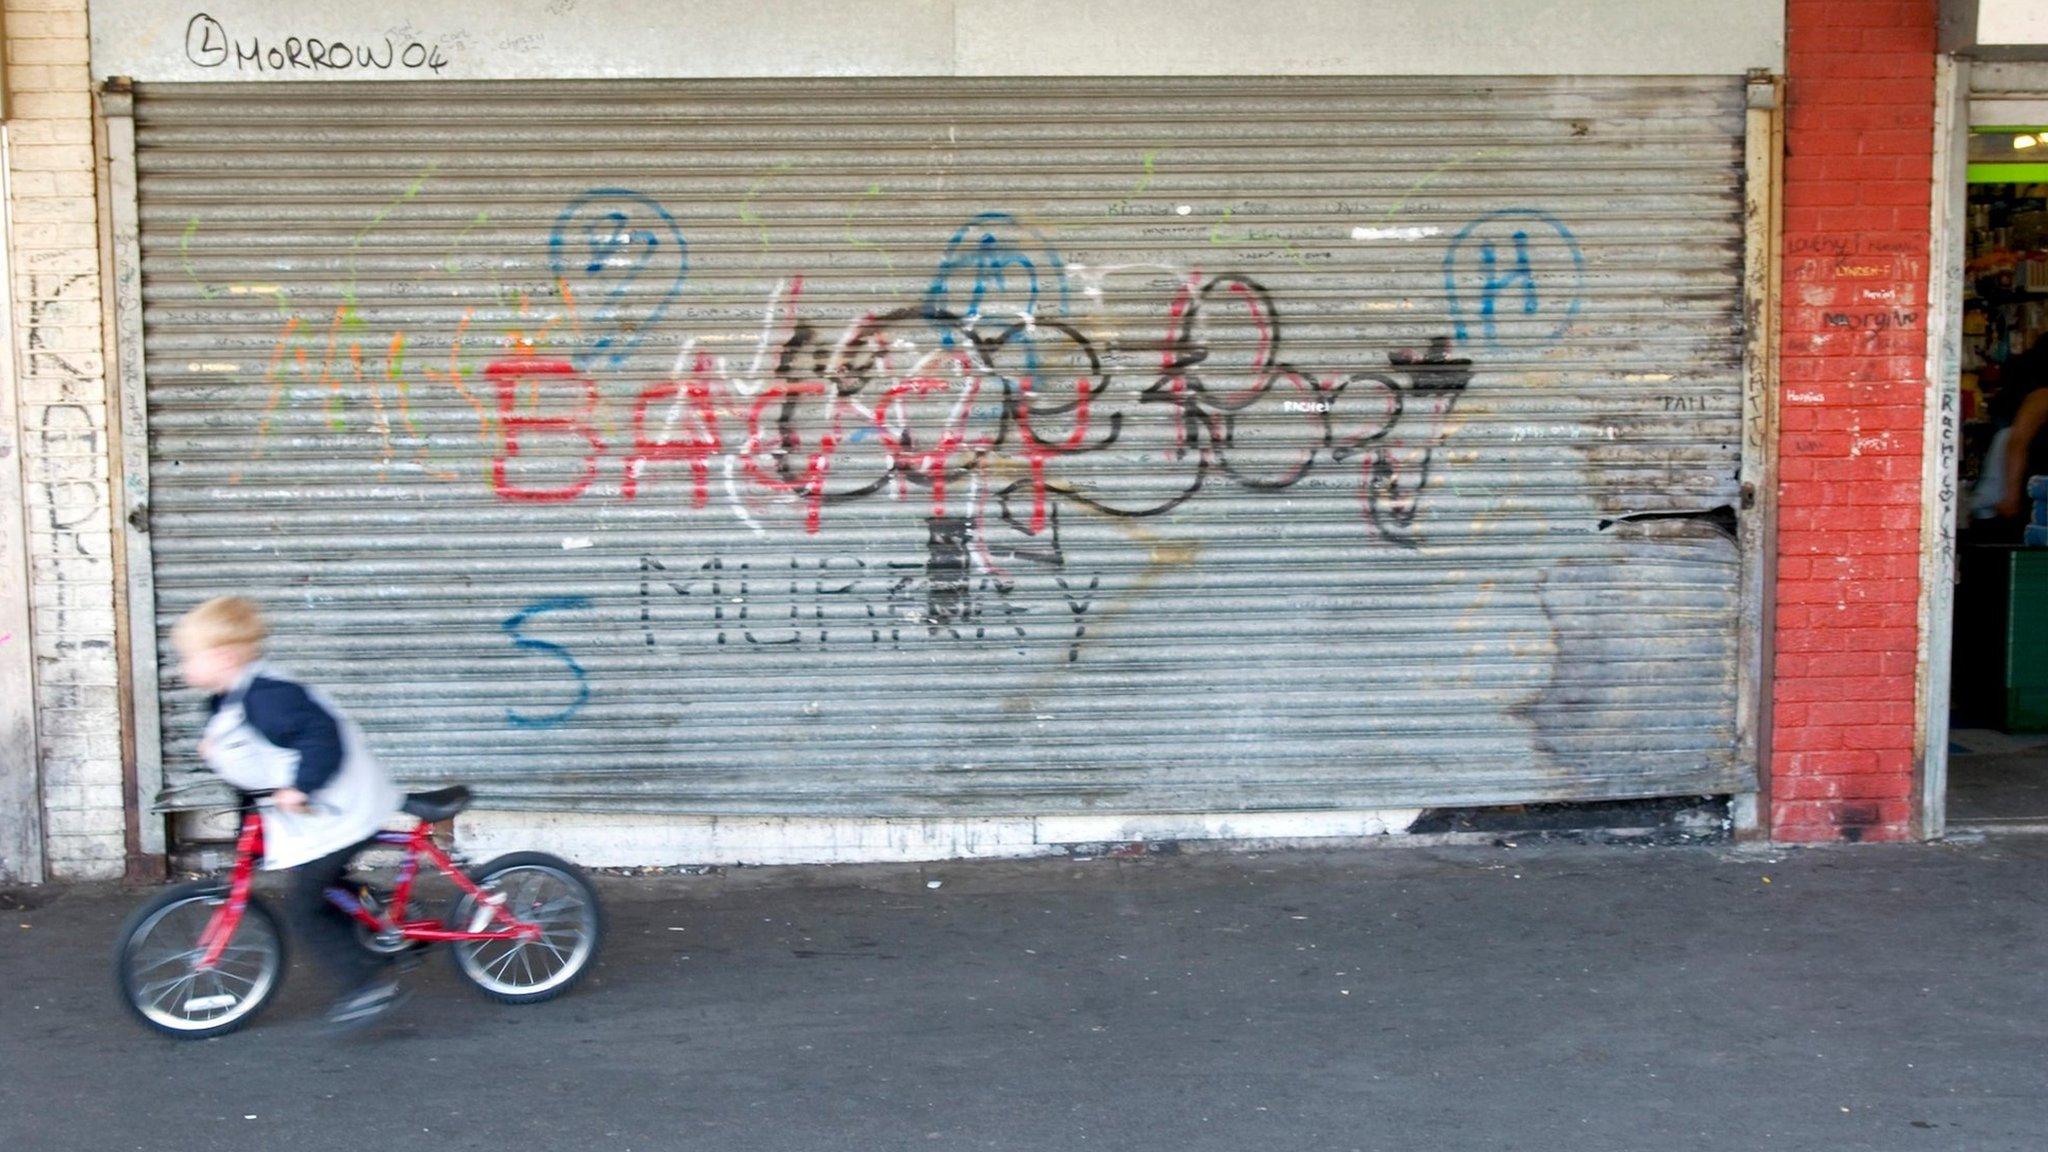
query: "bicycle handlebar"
246, 800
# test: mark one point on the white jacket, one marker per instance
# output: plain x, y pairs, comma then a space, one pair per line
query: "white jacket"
349, 808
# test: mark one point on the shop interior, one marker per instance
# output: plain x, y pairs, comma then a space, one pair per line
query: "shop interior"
1998, 706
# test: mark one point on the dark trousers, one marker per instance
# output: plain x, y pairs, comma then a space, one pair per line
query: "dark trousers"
2001, 530
327, 931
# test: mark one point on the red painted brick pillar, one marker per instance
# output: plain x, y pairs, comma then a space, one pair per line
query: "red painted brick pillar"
1859, 143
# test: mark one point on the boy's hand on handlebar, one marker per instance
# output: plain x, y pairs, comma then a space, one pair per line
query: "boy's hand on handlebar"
290, 799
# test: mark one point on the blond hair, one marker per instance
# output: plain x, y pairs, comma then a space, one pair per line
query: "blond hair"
222, 622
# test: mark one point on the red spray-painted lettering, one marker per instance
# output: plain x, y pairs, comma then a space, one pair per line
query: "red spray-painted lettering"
506, 376
692, 399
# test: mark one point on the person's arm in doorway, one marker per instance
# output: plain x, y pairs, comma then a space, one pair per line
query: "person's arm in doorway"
2026, 425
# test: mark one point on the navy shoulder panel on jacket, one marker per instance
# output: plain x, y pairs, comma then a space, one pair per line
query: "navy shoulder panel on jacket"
290, 718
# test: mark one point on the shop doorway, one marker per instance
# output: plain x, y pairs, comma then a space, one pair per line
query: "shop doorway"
1998, 700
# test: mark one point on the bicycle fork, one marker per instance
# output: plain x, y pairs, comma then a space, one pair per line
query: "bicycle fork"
213, 940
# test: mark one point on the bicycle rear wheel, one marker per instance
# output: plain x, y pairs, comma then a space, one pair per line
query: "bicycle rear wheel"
156, 957
538, 889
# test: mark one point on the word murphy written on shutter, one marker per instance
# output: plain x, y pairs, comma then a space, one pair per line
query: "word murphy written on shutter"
969, 447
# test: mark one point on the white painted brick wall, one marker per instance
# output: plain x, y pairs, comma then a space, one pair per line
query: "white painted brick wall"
63, 23
55, 294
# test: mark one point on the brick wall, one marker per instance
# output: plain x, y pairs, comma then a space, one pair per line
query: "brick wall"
1858, 173
64, 401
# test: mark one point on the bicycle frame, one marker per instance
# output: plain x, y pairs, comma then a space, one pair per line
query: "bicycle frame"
417, 843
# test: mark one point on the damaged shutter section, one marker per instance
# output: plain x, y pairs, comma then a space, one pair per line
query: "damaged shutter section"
965, 447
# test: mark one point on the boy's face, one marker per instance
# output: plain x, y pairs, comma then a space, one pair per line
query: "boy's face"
212, 667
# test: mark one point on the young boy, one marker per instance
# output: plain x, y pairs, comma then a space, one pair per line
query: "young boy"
330, 796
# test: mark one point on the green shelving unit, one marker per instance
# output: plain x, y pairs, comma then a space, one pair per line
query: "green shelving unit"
2026, 643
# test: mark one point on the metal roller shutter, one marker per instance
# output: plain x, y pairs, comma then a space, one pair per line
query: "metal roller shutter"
973, 447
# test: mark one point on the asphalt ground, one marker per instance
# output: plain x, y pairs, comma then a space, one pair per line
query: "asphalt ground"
1531, 997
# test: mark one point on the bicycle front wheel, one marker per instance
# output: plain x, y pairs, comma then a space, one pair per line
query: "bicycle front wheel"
541, 890
156, 963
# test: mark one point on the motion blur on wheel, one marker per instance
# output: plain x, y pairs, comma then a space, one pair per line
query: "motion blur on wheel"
539, 890
203, 958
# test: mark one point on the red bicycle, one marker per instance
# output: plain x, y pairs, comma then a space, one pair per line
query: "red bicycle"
202, 958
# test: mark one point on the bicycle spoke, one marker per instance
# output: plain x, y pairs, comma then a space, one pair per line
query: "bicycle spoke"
191, 956
156, 987
549, 945
504, 964
549, 927
529, 886
567, 900
173, 987
224, 974
173, 958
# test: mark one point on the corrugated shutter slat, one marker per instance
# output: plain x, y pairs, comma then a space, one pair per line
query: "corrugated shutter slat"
1004, 446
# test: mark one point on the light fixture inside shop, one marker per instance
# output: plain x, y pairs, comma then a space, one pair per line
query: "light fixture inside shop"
2024, 141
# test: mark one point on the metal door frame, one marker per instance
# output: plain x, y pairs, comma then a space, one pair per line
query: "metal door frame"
1941, 440
1956, 110
1763, 228
135, 591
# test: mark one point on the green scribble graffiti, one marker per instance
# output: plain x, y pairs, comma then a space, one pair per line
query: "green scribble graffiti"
1431, 176
185, 257
349, 293
1216, 234
853, 239
448, 264
1146, 160
748, 215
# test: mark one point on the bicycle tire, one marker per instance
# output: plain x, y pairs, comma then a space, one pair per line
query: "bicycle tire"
466, 955
152, 915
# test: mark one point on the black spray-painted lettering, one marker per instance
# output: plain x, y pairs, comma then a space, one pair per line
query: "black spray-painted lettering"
208, 45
